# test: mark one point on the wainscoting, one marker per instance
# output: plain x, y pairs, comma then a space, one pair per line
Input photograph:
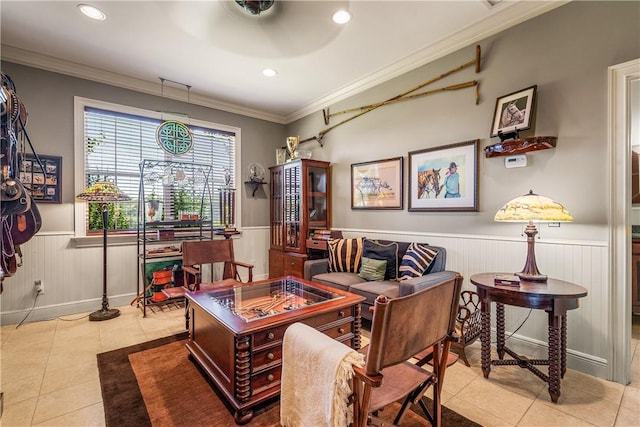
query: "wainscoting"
72, 277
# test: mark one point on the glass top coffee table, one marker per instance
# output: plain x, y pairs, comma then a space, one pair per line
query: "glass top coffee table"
236, 332
270, 298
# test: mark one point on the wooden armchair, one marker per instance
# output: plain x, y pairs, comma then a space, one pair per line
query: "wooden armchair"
468, 324
401, 328
197, 253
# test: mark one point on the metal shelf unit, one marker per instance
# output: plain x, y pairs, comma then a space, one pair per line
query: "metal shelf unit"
185, 211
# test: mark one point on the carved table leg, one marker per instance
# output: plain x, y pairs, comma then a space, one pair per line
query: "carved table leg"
243, 368
563, 345
500, 330
357, 327
554, 357
485, 337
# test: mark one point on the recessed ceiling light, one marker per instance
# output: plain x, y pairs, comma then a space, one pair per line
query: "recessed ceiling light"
269, 72
341, 17
92, 12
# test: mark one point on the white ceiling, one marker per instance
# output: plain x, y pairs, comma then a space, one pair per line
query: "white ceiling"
220, 50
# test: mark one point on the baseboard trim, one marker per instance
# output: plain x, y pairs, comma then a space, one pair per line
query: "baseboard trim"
76, 308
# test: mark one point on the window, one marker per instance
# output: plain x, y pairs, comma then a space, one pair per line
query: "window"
114, 142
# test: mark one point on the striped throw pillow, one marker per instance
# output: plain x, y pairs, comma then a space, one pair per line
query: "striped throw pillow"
345, 255
416, 261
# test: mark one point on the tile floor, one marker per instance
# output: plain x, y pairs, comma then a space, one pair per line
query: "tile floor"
49, 377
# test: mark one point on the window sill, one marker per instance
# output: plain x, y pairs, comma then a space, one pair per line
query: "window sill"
94, 241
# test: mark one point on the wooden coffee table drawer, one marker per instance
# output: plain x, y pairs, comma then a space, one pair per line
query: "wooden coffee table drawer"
338, 330
265, 380
276, 334
270, 356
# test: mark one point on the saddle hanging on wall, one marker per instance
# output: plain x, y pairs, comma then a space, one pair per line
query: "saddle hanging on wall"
14, 197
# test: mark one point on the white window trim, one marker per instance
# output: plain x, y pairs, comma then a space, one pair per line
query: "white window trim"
79, 104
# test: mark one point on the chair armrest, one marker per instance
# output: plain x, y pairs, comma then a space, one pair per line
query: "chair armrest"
370, 380
243, 264
315, 266
191, 270
249, 267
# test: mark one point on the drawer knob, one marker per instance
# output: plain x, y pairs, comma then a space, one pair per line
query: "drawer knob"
270, 356
270, 336
341, 313
270, 377
341, 330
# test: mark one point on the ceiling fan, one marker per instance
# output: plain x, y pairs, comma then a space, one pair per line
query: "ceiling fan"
255, 7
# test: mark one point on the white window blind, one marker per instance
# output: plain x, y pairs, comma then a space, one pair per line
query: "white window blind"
115, 145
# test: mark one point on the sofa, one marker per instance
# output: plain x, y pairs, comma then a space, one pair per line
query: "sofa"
349, 276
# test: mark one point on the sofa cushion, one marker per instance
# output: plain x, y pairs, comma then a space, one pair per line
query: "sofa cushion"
388, 252
372, 269
338, 280
416, 284
371, 290
416, 261
345, 254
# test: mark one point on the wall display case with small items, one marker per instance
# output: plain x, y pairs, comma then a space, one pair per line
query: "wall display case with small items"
45, 185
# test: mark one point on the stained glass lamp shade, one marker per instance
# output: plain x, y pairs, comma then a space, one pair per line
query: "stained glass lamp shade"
103, 192
532, 208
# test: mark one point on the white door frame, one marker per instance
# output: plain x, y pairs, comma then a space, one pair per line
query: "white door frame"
619, 142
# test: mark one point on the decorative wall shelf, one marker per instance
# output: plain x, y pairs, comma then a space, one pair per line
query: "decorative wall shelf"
520, 145
255, 185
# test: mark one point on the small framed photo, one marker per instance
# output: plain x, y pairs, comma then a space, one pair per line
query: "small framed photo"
377, 184
281, 156
514, 111
444, 178
42, 176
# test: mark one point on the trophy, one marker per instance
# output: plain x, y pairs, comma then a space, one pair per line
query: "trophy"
292, 144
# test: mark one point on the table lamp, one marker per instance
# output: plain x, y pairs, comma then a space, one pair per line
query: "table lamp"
529, 208
103, 192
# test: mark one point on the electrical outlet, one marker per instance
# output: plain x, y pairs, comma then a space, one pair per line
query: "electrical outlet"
38, 287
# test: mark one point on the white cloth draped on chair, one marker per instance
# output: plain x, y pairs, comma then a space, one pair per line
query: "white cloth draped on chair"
316, 379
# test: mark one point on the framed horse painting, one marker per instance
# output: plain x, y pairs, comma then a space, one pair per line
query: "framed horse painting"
377, 184
514, 111
444, 178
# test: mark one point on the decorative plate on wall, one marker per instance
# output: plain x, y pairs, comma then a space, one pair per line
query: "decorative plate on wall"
256, 172
174, 137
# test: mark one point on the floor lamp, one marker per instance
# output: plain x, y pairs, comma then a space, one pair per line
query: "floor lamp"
103, 192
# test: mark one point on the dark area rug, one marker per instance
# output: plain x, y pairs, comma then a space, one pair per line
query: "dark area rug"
156, 384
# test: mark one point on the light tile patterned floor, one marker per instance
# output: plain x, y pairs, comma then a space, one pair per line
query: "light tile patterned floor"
49, 377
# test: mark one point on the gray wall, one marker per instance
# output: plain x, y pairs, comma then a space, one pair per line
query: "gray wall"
565, 53
48, 98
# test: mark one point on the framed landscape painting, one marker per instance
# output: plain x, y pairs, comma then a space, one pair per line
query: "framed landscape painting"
377, 184
444, 178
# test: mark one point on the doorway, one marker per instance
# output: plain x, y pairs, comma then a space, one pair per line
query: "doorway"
620, 85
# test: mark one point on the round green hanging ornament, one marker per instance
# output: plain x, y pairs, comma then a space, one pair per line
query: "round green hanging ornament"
174, 137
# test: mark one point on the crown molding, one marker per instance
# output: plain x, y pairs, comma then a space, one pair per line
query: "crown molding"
508, 14
49, 63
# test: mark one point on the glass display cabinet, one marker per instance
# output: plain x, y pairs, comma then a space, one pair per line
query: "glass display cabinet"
300, 205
